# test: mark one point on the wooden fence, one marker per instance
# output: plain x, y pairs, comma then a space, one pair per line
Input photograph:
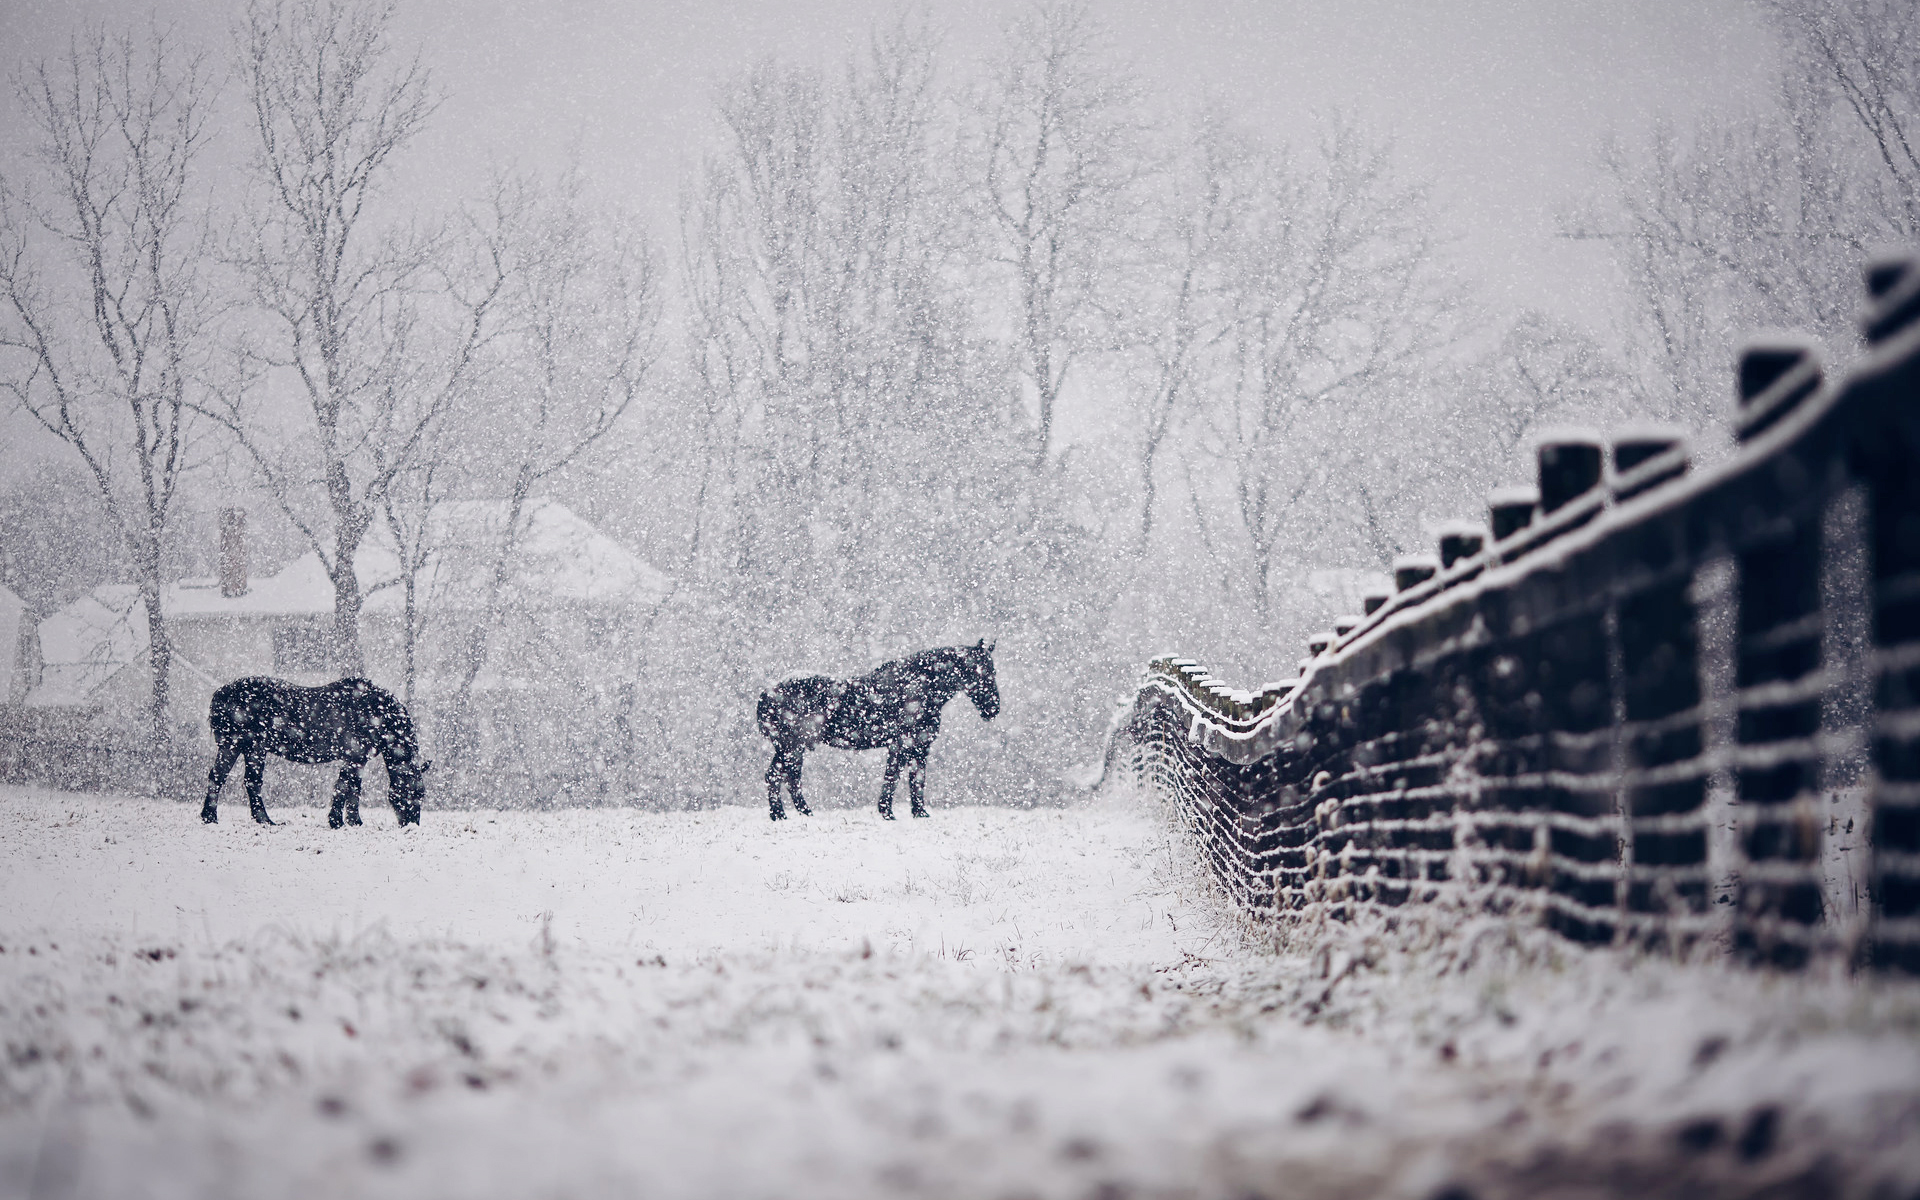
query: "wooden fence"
1643, 704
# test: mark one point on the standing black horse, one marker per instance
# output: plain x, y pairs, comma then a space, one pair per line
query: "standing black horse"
350, 719
896, 705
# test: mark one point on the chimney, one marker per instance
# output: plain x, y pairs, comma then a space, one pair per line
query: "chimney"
233, 552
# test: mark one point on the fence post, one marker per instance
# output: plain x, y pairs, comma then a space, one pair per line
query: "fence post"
1777, 753
1511, 509
1570, 464
1885, 458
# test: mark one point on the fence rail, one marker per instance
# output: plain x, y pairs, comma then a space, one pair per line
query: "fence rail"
1559, 714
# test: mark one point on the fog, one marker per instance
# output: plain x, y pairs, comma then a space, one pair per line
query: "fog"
605, 415
854, 329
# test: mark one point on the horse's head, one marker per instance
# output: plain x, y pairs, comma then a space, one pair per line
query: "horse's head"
407, 788
982, 688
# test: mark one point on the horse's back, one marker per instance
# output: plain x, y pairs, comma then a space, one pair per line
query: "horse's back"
304, 724
797, 706
235, 705
251, 688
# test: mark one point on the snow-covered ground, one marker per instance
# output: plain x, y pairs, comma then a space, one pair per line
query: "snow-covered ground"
991, 1003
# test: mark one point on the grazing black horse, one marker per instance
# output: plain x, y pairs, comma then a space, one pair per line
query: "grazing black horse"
350, 719
896, 705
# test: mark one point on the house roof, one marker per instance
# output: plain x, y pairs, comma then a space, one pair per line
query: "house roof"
86, 643
558, 557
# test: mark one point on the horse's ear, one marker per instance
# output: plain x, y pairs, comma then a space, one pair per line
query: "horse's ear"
426, 765
990, 646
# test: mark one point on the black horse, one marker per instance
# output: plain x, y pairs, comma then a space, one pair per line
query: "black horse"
896, 705
350, 719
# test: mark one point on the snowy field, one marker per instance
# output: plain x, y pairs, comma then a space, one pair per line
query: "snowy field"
991, 1003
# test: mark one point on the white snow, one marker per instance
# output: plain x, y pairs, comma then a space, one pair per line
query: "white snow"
989, 1003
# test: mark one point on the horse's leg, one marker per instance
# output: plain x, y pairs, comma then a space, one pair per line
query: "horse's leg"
776, 773
346, 797
894, 758
917, 780
223, 760
795, 763
336, 816
256, 774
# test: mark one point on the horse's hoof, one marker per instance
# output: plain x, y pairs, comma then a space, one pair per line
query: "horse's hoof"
353, 820
334, 821
886, 816
802, 809
776, 815
264, 819
209, 816
921, 812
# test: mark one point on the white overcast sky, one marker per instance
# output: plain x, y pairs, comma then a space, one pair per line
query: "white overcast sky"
1501, 101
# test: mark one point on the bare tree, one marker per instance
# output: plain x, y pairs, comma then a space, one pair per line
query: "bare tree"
1339, 306
1060, 151
1868, 53
580, 333
47, 511
104, 334
1543, 370
376, 335
1733, 225
1745, 220
1181, 309
830, 349
868, 486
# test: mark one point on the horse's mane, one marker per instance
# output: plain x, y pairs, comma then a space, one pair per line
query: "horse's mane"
937, 655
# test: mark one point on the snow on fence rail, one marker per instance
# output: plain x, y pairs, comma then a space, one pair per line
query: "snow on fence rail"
1552, 716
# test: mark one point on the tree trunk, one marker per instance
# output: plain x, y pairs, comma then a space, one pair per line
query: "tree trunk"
1147, 492
411, 557
145, 545
346, 655
409, 631
1045, 435
463, 734
160, 660
1263, 584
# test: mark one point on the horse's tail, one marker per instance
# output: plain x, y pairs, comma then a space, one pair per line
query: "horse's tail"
763, 715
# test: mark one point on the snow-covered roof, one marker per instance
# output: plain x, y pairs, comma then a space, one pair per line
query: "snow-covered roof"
86, 643
300, 588
558, 556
